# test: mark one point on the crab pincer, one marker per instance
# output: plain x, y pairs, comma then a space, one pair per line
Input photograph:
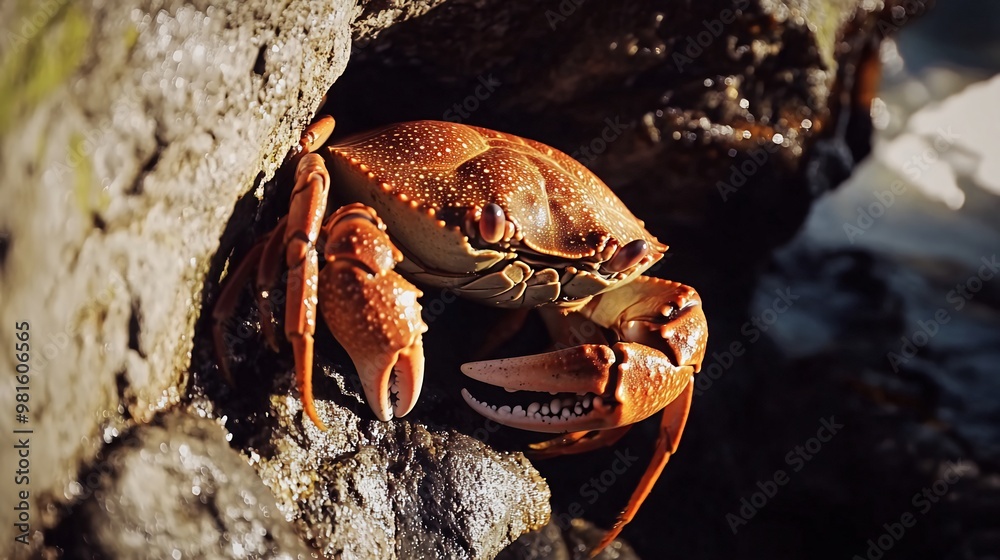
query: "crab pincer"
601, 390
373, 311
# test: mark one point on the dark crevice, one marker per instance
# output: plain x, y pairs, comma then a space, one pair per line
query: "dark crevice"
260, 66
4, 247
122, 384
154, 159
134, 327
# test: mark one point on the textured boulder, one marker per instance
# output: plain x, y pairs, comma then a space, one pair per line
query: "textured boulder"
175, 487
127, 135
371, 489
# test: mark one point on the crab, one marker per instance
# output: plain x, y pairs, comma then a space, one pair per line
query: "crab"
495, 218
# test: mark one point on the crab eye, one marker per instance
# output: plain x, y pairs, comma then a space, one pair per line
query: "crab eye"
492, 223
628, 256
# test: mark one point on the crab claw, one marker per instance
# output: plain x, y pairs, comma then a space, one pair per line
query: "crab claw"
373, 311
602, 386
610, 387
597, 387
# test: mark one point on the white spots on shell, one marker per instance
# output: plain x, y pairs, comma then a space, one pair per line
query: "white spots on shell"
561, 209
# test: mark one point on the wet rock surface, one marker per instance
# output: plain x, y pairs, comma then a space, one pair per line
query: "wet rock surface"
571, 540
368, 489
173, 488
431, 485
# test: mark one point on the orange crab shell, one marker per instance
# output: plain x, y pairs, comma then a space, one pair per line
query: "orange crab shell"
424, 177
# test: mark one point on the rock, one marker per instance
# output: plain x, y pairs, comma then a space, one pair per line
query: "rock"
175, 488
371, 489
572, 541
546, 542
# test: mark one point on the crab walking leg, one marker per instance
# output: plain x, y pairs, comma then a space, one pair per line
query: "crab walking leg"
305, 216
314, 136
226, 304
577, 442
267, 278
675, 416
266, 256
373, 311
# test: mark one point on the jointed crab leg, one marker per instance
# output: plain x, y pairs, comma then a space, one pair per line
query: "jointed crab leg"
577, 442
305, 215
226, 304
674, 418
267, 278
371, 310
314, 136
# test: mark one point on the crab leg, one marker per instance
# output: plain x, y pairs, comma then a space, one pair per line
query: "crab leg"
305, 215
267, 278
226, 304
314, 136
674, 418
266, 255
577, 442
